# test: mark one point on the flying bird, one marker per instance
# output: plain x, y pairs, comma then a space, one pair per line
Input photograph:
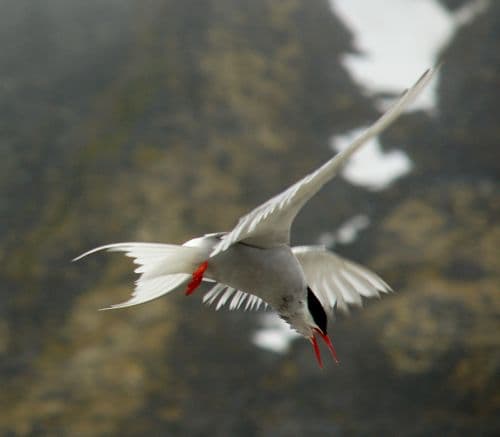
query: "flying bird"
254, 265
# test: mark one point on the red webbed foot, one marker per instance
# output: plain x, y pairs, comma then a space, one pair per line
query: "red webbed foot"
197, 278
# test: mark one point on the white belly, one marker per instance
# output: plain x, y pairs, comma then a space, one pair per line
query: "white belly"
272, 274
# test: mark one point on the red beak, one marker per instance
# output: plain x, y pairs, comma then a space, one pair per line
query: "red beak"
328, 342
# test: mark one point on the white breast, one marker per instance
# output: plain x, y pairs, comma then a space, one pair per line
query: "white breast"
273, 274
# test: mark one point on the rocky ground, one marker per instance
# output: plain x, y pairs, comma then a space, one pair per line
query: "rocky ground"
164, 119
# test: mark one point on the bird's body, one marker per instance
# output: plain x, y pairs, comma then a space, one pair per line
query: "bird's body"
254, 264
274, 275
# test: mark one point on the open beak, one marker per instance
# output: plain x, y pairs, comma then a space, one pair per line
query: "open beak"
328, 342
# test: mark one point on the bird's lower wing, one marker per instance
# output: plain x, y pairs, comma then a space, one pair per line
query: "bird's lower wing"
222, 294
269, 224
337, 282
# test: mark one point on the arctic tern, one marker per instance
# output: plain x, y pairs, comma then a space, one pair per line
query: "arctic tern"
253, 264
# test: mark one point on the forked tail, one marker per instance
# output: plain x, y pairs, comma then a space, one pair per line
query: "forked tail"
162, 267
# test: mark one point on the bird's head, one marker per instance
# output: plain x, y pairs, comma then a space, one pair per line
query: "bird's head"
312, 323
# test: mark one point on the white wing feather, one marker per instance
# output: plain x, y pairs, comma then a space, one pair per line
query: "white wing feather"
269, 224
235, 298
335, 281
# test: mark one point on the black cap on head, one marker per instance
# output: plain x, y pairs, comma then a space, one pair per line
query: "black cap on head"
317, 312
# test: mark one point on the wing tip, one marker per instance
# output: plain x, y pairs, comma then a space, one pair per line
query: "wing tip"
83, 255
412, 92
108, 247
113, 247
118, 306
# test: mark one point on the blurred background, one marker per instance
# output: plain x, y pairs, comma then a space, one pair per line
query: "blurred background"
159, 120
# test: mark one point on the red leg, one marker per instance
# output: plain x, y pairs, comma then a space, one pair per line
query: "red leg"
197, 278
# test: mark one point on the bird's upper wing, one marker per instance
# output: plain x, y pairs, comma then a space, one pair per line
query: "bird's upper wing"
223, 294
335, 281
269, 224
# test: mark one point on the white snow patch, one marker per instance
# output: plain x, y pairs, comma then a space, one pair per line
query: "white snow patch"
347, 233
398, 40
327, 239
274, 335
371, 167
